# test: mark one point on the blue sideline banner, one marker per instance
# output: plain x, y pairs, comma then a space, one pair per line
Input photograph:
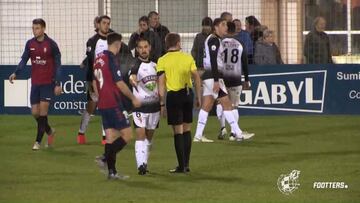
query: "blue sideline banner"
275, 90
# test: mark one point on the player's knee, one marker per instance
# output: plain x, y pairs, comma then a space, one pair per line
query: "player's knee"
207, 105
225, 102
140, 136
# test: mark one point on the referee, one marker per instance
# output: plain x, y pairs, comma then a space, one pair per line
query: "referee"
175, 70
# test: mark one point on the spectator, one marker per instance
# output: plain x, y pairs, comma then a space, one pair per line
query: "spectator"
161, 30
317, 44
266, 51
197, 50
151, 36
245, 39
253, 27
226, 16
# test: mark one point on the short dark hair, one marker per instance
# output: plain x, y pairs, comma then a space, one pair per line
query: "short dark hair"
39, 21
113, 37
142, 39
252, 20
171, 39
144, 19
151, 13
217, 21
236, 20
100, 18
207, 21
231, 27
223, 14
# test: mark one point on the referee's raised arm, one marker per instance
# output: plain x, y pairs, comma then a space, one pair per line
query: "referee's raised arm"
175, 70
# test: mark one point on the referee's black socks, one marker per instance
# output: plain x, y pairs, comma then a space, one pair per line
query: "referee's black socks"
187, 147
179, 148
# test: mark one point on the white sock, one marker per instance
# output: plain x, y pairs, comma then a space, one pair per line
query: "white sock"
202, 119
85, 118
103, 131
220, 115
139, 152
236, 117
147, 150
229, 116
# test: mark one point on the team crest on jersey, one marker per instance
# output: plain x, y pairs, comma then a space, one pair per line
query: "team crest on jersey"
88, 49
150, 86
213, 47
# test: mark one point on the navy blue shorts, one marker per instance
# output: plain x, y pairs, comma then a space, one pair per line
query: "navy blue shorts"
114, 118
41, 93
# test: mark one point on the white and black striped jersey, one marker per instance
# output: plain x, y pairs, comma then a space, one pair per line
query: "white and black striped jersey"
147, 87
94, 46
213, 58
235, 62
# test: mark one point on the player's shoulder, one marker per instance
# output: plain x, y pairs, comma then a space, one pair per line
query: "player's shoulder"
152, 63
93, 38
213, 39
185, 55
32, 40
51, 40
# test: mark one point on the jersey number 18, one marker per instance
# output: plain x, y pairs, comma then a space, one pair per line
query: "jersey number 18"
234, 55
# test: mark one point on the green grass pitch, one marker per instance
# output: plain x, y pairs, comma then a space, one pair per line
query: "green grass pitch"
323, 148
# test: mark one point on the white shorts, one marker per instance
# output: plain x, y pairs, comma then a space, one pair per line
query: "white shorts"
234, 95
148, 121
208, 86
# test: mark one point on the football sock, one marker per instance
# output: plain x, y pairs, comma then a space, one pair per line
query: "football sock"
85, 118
187, 147
229, 116
140, 149
41, 128
110, 158
202, 119
147, 150
220, 115
179, 148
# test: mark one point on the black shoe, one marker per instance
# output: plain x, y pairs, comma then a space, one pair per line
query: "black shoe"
146, 169
142, 170
222, 133
178, 170
187, 169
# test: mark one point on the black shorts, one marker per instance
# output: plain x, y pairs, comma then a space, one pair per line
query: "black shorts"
179, 106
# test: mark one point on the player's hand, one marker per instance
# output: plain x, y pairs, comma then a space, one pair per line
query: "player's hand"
246, 85
12, 78
197, 103
133, 81
57, 90
94, 96
136, 103
216, 87
163, 111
